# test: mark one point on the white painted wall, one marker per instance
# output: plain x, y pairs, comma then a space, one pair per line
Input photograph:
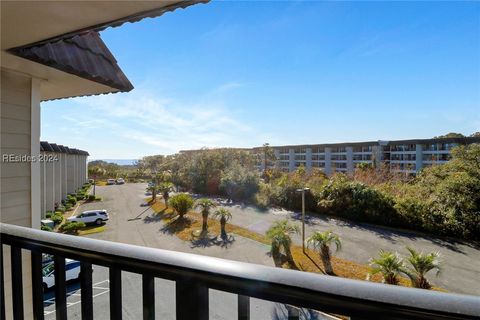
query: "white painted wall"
49, 184
15, 114
20, 189
58, 179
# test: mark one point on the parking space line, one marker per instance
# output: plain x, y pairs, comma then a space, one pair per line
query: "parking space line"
70, 304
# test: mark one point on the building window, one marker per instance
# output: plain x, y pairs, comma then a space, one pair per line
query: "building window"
403, 157
402, 147
284, 157
362, 157
300, 150
317, 157
338, 149
300, 157
339, 165
339, 157
318, 150
316, 164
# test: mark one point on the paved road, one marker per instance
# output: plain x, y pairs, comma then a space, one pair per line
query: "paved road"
460, 261
131, 223
222, 305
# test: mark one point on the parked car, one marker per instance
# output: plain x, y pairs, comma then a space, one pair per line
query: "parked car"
91, 216
120, 181
72, 272
110, 181
91, 181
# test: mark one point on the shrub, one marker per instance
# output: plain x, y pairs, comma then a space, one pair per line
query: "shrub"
354, 200
46, 228
61, 209
57, 218
73, 226
72, 200
80, 196
68, 206
238, 182
91, 197
48, 215
182, 203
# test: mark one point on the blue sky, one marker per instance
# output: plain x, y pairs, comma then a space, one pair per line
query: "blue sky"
240, 74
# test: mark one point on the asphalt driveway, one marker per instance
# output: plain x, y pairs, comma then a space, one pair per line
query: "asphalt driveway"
460, 261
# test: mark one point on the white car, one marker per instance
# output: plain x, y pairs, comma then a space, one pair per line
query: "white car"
110, 181
72, 272
120, 181
91, 216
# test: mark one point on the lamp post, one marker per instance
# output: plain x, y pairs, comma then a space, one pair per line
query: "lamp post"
303, 190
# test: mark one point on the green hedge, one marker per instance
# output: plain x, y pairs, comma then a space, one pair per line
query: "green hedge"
57, 218
46, 228
73, 226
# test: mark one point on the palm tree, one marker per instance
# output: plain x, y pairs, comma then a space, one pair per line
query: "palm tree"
280, 233
205, 205
421, 264
182, 203
223, 215
321, 241
153, 189
165, 188
389, 264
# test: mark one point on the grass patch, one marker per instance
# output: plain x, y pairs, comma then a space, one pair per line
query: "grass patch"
309, 261
90, 230
100, 183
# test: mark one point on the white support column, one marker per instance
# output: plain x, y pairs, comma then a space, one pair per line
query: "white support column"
58, 178
308, 156
65, 175
291, 159
49, 184
328, 161
418, 157
277, 157
70, 173
350, 167
85, 170
42, 186
35, 150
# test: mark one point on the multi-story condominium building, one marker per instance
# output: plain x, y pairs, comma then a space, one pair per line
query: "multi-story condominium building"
63, 170
406, 156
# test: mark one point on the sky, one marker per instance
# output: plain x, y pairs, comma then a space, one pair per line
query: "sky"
243, 73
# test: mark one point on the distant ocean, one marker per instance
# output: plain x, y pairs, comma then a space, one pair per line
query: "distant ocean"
121, 162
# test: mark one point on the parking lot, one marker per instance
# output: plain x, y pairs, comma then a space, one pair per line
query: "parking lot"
222, 305
129, 223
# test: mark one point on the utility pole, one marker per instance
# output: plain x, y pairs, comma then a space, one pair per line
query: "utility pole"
303, 190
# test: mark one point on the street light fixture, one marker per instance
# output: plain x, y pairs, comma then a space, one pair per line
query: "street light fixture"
303, 190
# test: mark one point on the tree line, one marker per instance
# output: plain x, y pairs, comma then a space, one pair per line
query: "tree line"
441, 199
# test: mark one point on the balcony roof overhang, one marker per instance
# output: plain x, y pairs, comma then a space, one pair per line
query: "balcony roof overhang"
31, 29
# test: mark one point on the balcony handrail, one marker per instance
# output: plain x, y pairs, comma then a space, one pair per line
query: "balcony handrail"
303, 289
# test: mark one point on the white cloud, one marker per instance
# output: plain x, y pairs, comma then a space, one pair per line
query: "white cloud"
159, 125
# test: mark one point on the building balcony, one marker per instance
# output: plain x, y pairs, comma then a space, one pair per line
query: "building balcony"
195, 275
